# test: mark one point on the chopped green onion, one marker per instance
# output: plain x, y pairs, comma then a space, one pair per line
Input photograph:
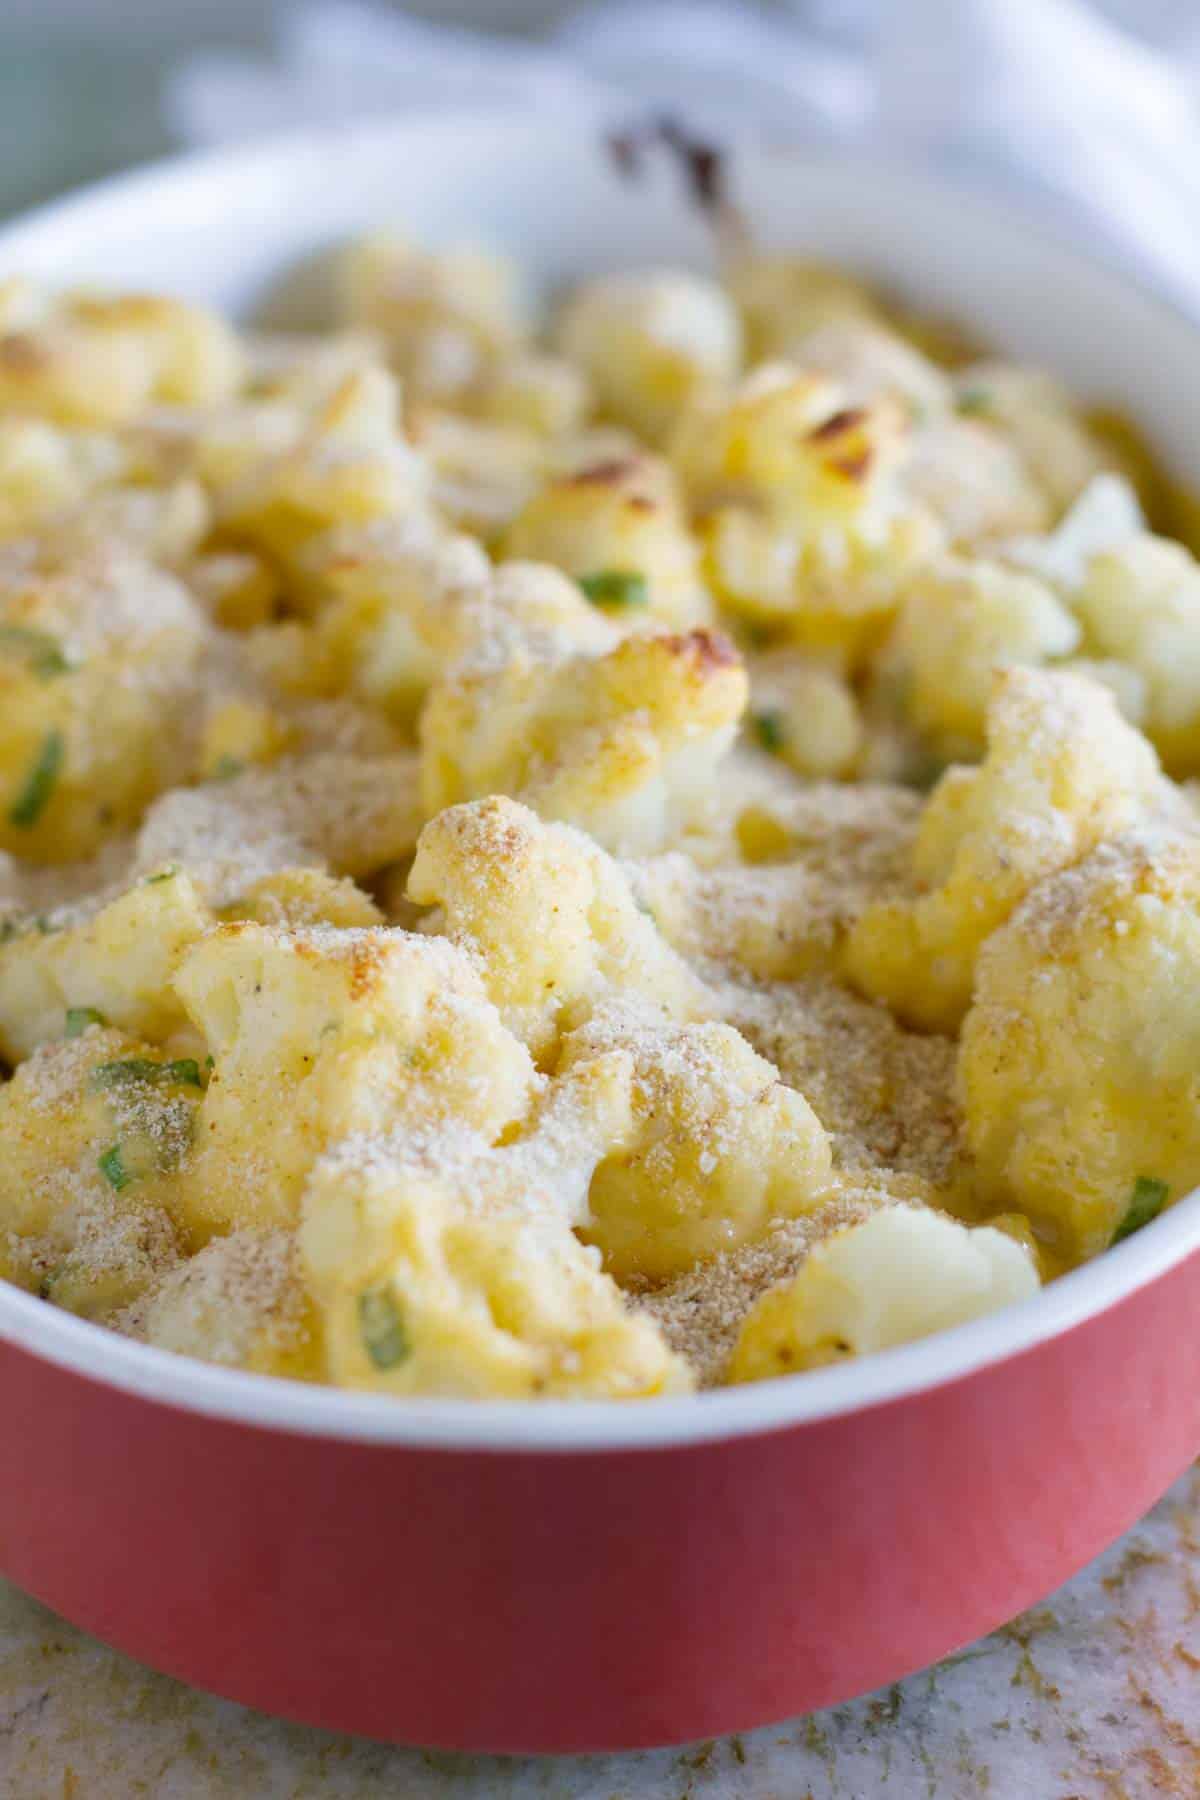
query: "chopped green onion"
382, 1328
140, 1068
80, 1017
185, 1070
30, 803
44, 652
618, 588
1147, 1201
974, 400
225, 768
768, 729
167, 874
113, 1169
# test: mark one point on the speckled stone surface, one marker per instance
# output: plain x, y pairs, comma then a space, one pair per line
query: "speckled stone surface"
1093, 1696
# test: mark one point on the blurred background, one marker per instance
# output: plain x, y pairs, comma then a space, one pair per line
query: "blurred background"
82, 82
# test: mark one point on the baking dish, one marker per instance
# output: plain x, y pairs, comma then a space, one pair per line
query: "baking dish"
553, 1577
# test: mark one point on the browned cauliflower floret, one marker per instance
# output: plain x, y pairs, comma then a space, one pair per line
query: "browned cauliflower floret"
623, 743
1062, 772
550, 917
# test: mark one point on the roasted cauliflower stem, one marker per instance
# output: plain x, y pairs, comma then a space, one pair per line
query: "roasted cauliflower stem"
583, 855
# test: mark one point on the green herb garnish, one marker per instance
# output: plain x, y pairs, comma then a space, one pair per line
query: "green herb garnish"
185, 1070
167, 874
44, 652
974, 400
382, 1328
616, 588
768, 729
225, 768
1147, 1201
80, 1017
30, 803
113, 1169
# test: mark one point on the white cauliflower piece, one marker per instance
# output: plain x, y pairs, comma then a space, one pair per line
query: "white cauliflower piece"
1078, 1065
1063, 771
618, 528
900, 1275
321, 1034
959, 623
651, 341
718, 1151
550, 918
623, 744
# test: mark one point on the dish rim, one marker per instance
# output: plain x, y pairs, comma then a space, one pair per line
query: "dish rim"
273, 1403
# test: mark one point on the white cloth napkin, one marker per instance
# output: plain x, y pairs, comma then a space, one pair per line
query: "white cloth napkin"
1044, 99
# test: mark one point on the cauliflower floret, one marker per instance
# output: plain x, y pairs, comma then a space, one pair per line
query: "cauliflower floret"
443, 315
617, 527
94, 1134
1036, 413
804, 713
328, 809
650, 342
1140, 604
319, 1034
1106, 516
96, 657
390, 600
623, 744
536, 391
113, 967
481, 472
550, 918
1062, 772
195, 357
959, 622
784, 299
901, 1274
407, 605
295, 898
447, 1267
94, 360
719, 1147
805, 526
873, 363
241, 1302
47, 469
280, 476
974, 481
1079, 1062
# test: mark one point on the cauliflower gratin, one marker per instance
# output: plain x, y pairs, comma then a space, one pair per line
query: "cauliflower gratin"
590, 859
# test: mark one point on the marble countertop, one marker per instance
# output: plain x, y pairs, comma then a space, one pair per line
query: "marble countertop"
1093, 1696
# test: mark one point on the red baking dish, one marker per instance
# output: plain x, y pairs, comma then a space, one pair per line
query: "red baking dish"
561, 1577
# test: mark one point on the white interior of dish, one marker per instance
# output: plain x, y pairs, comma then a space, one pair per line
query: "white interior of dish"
229, 228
